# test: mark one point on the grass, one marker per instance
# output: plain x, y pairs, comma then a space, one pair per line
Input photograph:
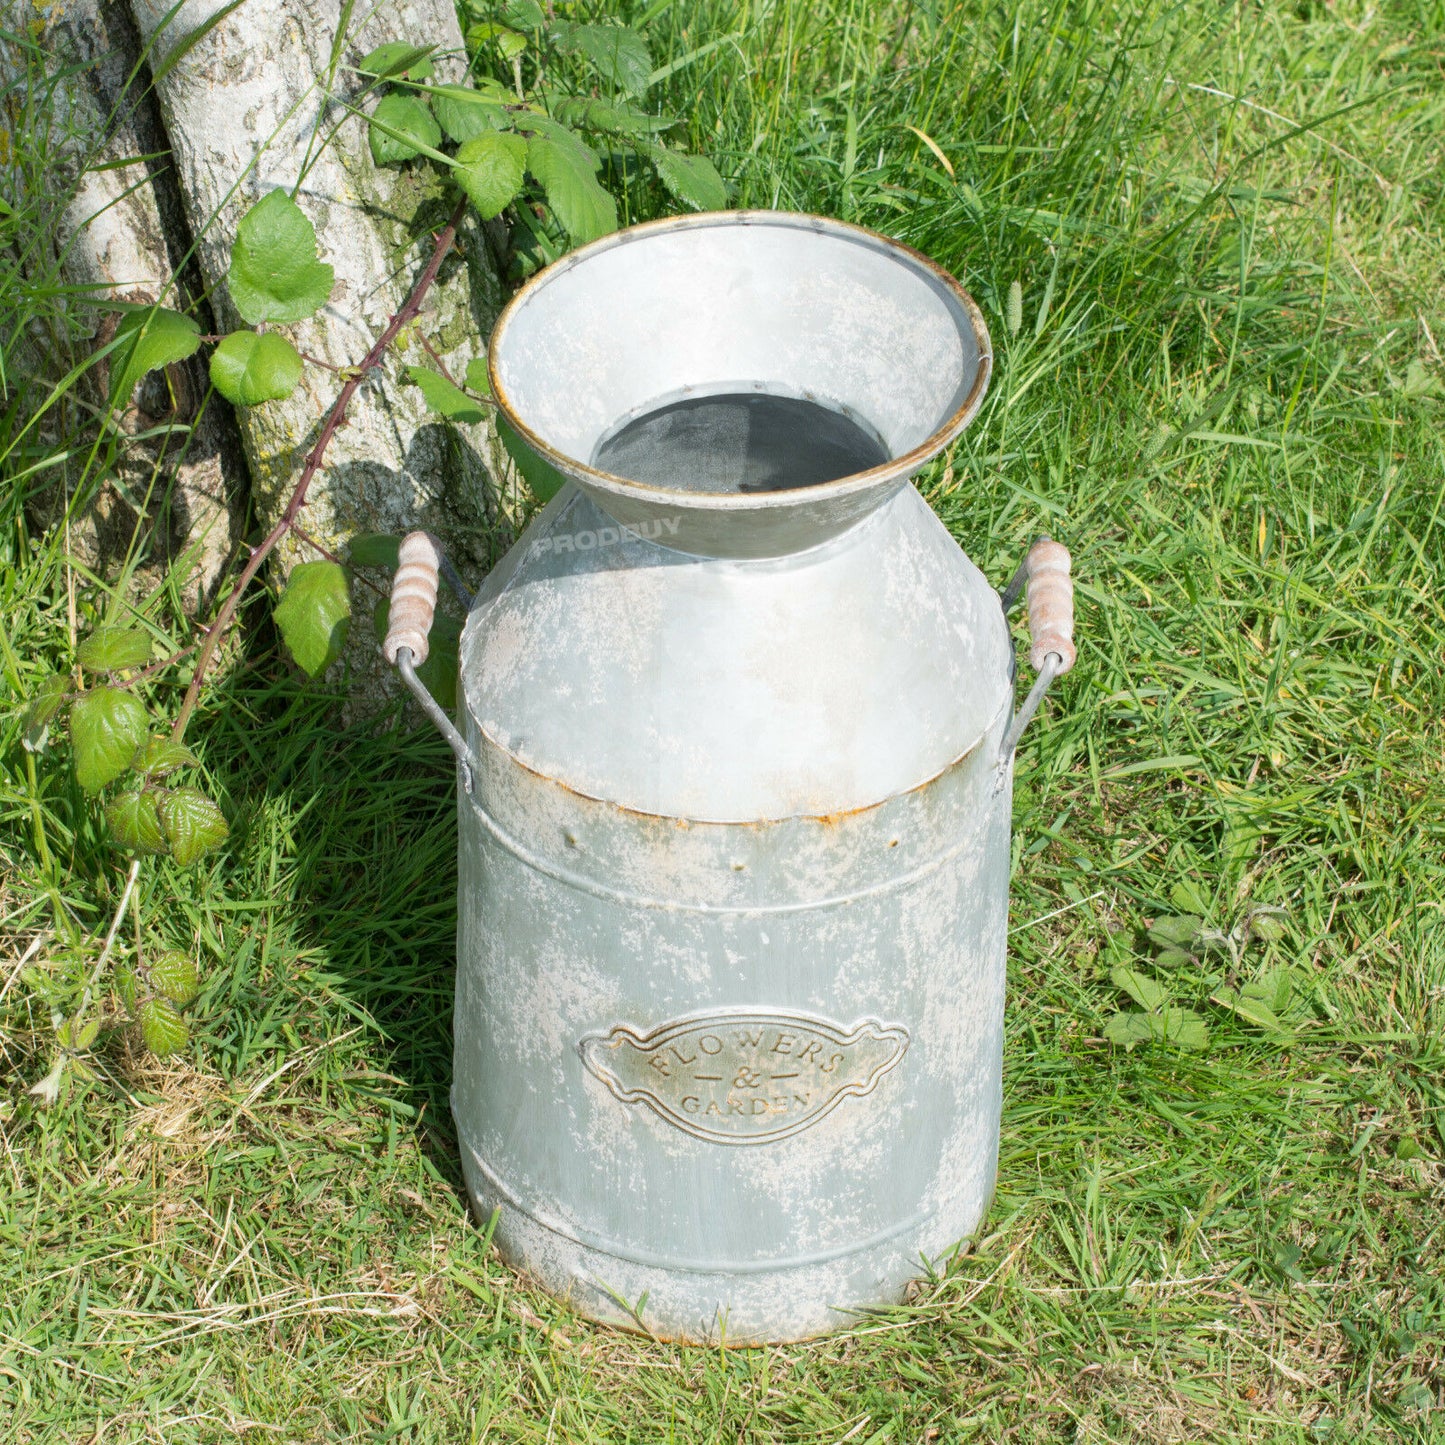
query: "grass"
1226, 395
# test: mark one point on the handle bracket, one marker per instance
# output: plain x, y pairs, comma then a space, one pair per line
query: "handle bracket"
1045, 573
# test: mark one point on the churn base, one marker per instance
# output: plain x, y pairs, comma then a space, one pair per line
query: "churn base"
764, 1305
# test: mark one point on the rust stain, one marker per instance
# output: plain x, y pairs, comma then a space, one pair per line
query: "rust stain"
825, 820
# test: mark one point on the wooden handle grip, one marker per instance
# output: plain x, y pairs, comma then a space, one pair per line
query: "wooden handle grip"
413, 597
1051, 605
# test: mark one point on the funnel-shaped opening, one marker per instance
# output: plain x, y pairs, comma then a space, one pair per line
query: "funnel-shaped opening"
758, 380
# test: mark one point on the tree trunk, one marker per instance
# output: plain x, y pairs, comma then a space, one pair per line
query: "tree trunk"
121, 234
255, 101
252, 97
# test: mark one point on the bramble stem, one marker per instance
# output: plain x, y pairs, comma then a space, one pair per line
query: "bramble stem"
146, 673
334, 419
302, 535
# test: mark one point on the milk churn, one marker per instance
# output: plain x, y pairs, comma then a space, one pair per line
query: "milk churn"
734, 746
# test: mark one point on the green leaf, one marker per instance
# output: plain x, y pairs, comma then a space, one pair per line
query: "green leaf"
465, 114
161, 756
274, 273
314, 614
46, 702
173, 975
375, 549
1216, 941
111, 649
401, 127
1416, 1396
1179, 1026
106, 727
396, 58
1273, 987
567, 174
77, 1034
692, 179
609, 116
490, 169
1251, 1010
135, 822
507, 40
1177, 932
161, 1026
619, 55
524, 14
145, 340
193, 823
1267, 923
1418, 381
541, 476
478, 377
1140, 987
1127, 1030
533, 123
439, 671
250, 367
1287, 1256
1187, 898
532, 247
1172, 958
444, 397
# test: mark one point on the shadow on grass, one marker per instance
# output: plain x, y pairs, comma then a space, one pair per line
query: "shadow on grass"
343, 868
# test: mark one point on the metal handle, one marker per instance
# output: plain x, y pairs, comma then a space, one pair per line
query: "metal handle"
1045, 572
409, 620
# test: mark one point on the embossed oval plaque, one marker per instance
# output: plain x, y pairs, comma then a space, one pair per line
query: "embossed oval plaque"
744, 1077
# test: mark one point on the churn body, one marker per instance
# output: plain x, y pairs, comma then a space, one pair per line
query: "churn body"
735, 821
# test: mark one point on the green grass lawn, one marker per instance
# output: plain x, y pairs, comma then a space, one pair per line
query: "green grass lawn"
1225, 392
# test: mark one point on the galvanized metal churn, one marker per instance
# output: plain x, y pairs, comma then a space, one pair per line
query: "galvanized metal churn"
735, 752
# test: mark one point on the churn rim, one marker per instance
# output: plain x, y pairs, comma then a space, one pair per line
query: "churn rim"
895, 468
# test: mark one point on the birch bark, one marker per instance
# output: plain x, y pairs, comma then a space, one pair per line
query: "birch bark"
253, 97
122, 234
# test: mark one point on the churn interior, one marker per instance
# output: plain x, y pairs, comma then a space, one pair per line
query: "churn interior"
785, 325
